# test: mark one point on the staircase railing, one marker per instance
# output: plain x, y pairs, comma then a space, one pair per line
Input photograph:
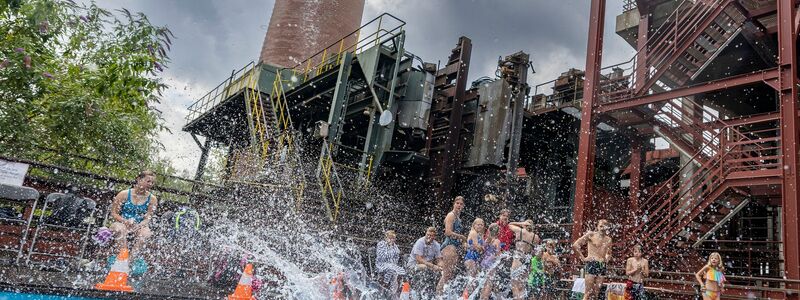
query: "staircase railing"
681, 26
329, 182
676, 32
671, 207
286, 153
260, 133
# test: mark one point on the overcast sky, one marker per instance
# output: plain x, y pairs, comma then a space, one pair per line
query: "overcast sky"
214, 37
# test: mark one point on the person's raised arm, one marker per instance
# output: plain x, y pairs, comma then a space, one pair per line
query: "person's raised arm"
578, 244
608, 250
516, 227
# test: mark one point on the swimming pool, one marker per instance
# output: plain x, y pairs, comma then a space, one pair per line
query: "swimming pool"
27, 296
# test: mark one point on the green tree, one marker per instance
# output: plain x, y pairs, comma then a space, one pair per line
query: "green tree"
80, 81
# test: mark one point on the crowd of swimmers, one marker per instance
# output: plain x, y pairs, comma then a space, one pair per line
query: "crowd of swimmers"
535, 268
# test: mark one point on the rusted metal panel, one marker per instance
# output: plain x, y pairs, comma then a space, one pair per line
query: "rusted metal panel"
492, 125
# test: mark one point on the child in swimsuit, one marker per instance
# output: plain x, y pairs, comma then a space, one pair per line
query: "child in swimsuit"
489, 261
475, 248
714, 283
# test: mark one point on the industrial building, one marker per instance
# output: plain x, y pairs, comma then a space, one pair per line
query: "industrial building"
712, 80
681, 145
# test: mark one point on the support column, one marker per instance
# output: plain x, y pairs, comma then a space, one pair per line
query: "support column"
586, 145
640, 75
787, 39
635, 190
201, 166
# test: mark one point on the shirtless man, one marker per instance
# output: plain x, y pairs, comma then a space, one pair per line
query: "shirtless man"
526, 240
637, 268
599, 253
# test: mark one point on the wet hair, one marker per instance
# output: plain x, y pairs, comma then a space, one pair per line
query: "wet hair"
490, 198
504, 211
493, 230
476, 222
720, 265
144, 174
456, 200
430, 229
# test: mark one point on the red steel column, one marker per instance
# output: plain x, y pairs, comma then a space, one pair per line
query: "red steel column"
787, 38
585, 172
636, 176
640, 75
634, 192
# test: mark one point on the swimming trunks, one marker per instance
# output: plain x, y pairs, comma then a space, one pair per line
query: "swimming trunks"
596, 268
635, 290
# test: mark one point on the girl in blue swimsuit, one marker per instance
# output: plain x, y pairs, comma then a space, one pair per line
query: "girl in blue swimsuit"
452, 245
475, 246
132, 210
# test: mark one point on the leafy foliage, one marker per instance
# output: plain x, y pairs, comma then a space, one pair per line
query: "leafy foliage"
80, 81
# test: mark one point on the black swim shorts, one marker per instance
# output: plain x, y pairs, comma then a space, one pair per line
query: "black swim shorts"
596, 268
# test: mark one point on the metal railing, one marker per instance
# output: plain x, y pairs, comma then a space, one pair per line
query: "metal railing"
629, 5
222, 91
570, 97
662, 43
676, 204
373, 33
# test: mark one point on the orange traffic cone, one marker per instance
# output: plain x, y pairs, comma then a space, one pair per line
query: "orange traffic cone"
117, 278
405, 294
244, 290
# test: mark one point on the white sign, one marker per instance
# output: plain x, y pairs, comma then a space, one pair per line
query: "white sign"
12, 173
579, 286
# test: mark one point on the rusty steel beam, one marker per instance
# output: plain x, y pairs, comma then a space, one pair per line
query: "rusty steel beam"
451, 82
787, 45
765, 75
744, 120
637, 162
640, 74
586, 145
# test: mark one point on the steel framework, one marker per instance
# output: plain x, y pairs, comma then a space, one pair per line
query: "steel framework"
723, 154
